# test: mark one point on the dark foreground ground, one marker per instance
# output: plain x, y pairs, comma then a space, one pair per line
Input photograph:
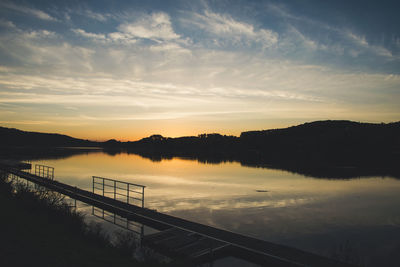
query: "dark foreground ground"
32, 236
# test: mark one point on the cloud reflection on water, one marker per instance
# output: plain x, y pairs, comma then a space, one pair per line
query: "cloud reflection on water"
313, 214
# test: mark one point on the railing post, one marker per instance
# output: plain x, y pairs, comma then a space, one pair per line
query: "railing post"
142, 197
93, 184
127, 194
103, 187
115, 188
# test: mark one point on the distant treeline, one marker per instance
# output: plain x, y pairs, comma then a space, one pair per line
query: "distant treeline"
333, 142
340, 146
343, 148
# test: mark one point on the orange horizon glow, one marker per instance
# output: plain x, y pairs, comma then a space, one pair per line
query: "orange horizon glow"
103, 133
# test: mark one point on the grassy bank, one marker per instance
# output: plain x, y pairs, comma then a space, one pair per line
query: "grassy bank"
40, 230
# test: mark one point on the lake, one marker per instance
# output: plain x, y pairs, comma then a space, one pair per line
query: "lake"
356, 219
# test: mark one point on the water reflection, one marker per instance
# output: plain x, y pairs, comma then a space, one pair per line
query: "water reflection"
350, 171
319, 215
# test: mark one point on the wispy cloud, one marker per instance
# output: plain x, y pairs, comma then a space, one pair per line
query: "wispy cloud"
170, 47
7, 24
364, 46
298, 40
156, 26
343, 40
95, 36
87, 12
223, 26
40, 34
96, 16
29, 11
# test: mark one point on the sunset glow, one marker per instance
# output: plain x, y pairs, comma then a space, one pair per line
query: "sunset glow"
128, 69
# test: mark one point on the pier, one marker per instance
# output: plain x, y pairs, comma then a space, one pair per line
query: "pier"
177, 237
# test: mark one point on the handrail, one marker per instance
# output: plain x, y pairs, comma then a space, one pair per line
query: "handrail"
44, 171
104, 183
113, 180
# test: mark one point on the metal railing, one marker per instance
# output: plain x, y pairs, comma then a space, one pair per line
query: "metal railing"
122, 191
44, 171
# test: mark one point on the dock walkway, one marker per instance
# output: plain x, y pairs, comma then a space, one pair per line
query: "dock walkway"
182, 237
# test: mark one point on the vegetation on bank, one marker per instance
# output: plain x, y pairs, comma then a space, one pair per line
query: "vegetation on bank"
327, 149
40, 229
330, 142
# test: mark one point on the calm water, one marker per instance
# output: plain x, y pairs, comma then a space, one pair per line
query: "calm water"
318, 215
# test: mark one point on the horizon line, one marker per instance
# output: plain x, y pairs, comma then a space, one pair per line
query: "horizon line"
102, 141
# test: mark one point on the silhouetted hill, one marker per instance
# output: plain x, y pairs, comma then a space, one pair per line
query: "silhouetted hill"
321, 148
333, 141
337, 142
10, 137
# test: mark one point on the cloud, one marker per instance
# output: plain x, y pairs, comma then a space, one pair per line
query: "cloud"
359, 40
40, 34
363, 46
7, 24
122, 38
223, 26
29, 11
113, 37
43, 50
89, 35
341, 40
15, 32
295, 37
156, 27
87, 13
96, 16
6, 69
169, 47
185, 82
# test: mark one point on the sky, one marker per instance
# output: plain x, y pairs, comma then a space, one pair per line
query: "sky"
128, 69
